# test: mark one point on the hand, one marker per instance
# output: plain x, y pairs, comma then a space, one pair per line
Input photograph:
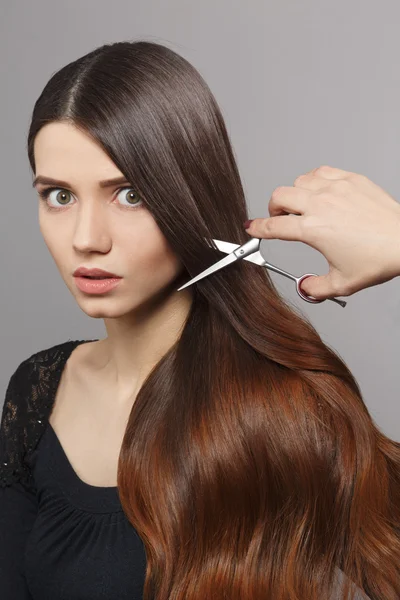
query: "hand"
353, 222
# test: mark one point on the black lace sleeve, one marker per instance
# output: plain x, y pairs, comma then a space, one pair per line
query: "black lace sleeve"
15, 435
27, 406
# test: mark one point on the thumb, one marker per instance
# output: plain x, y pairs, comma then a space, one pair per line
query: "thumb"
320, 287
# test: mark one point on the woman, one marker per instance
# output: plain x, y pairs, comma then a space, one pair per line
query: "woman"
211, 445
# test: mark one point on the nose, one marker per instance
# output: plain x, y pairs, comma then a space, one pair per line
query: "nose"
91, 232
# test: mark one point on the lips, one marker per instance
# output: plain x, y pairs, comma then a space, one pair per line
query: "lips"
95, 273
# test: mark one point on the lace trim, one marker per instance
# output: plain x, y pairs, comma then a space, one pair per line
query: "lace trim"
27, 406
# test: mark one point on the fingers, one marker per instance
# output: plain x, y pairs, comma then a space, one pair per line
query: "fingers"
289, 205
285, 200
283, 227
295, 199
312, 184
322, 177
327, 172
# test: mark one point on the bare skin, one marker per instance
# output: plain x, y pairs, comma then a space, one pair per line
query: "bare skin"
111, 229
351, 220
88, 419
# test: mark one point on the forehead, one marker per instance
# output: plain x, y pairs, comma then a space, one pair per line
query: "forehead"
63, 151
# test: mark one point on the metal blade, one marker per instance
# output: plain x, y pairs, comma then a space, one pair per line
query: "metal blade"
248, 251
224, 262
228, 247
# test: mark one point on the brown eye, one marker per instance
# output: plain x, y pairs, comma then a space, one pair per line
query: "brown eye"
62, 196
131, 197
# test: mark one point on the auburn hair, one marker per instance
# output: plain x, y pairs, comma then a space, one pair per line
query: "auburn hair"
250, 465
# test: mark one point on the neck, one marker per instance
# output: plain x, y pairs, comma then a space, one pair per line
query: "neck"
136, 342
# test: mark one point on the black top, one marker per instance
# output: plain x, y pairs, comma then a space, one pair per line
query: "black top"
60, 538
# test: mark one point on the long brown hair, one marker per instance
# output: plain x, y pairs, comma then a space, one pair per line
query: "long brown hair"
250, 466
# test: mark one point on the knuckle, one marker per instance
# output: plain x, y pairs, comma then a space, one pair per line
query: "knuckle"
357, 177
274, 202
268, 225
277, 191
323, 169
342, 289
322, 194
340, 286
341, 185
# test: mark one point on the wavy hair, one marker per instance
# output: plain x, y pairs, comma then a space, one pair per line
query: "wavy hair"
250, 465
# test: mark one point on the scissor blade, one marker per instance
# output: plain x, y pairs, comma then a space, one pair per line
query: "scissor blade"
248, 251
228, 247
224, 262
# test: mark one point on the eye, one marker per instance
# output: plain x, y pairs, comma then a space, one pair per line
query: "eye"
132, 197
62, 197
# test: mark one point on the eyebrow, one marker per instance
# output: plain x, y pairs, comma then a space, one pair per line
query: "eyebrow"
103, 184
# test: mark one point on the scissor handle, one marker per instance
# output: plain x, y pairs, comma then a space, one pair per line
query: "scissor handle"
311, 299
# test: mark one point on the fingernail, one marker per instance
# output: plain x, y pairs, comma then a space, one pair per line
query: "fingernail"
246, 224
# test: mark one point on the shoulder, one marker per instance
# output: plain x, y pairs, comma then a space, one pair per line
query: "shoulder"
33, 375
27, 404
51, 357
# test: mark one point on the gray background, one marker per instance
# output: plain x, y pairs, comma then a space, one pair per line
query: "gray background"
300, 84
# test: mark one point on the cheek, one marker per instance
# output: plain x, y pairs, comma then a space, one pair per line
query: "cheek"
50, 237
57, 247
153, 262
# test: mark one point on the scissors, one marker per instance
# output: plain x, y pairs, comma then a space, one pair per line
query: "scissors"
251, 251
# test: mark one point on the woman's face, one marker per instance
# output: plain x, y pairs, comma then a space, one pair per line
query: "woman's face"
99, 227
